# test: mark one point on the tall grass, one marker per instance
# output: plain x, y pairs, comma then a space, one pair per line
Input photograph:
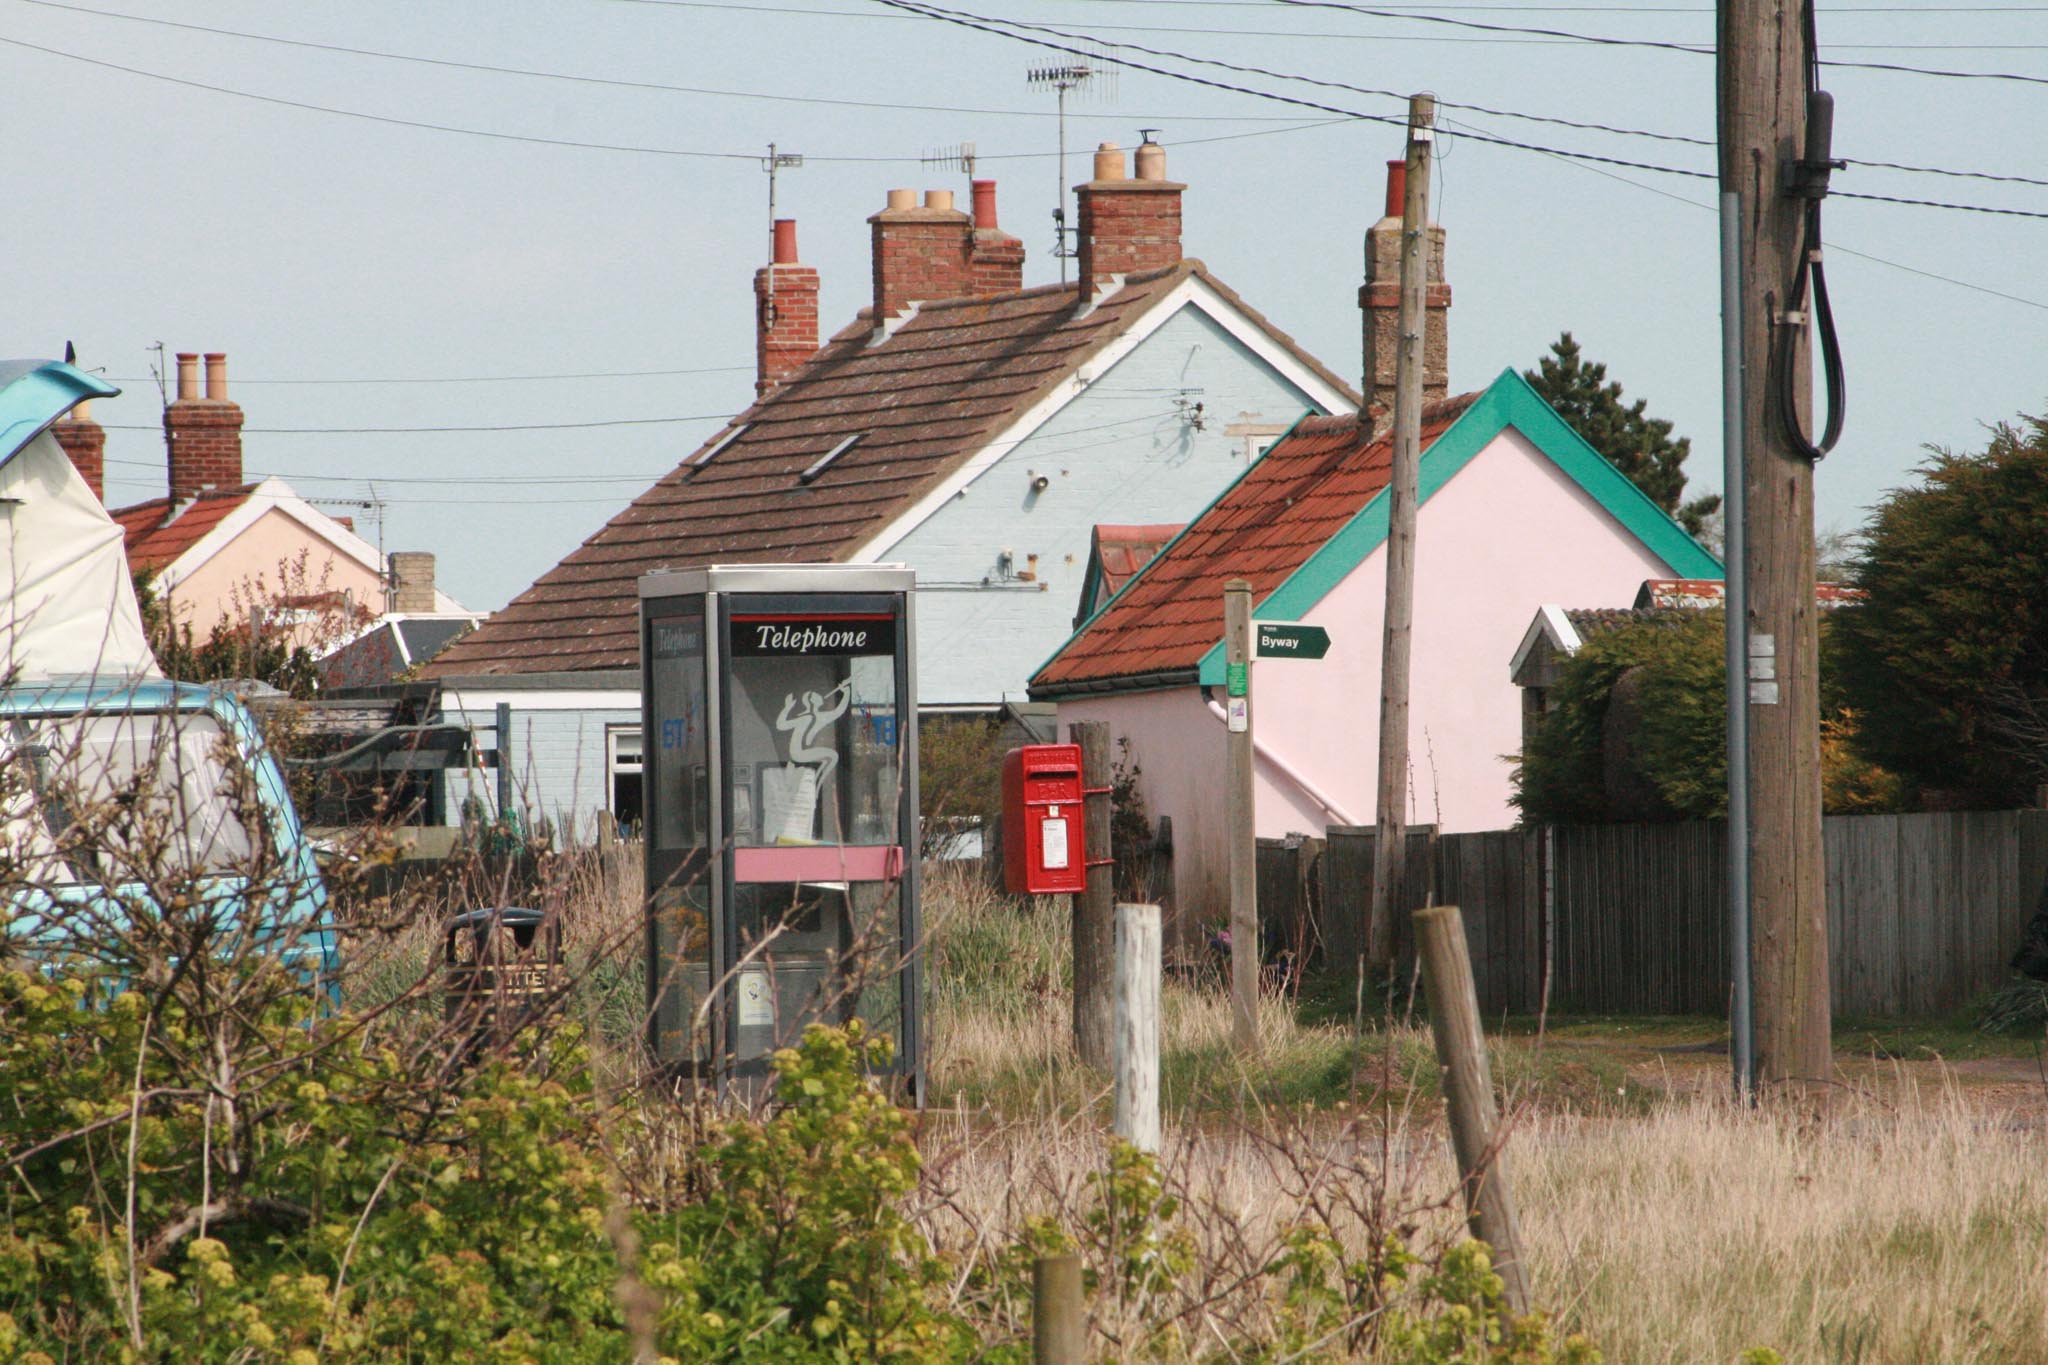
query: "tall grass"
1907, 1227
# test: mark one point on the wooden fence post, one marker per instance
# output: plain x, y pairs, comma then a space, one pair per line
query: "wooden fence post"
1468, 1093
1059, 1329
1137, 1025
1094, 914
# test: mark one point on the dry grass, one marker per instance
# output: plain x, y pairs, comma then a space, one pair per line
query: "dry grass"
1889, 1234
1908, 1226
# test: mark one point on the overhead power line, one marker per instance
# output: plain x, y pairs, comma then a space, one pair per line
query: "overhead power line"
611, 81
1604, 40
471, 378
752, 156
514, 426
1102, 49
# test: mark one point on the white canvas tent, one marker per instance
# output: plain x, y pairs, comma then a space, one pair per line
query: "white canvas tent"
70, 605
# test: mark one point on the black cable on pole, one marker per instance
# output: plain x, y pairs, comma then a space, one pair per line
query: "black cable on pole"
1807, 178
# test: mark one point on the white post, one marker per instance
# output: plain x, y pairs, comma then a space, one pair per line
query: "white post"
1137, 1025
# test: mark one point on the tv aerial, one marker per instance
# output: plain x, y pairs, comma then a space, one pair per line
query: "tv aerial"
1097, 79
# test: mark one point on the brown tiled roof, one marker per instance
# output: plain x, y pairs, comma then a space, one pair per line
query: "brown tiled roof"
156, 532
1265, 526
944, 384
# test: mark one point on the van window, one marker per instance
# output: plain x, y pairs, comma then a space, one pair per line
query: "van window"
116, 797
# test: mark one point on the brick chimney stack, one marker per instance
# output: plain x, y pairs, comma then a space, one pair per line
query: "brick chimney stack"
785, 313
996, 259
412, 581
85, 441
1127, 224
921, 254
1380, 297
204, 434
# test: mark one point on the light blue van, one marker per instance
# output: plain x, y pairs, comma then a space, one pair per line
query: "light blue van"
120, 789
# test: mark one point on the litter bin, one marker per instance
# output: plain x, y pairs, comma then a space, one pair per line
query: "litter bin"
503, 967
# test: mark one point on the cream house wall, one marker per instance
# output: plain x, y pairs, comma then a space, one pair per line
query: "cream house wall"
263, 562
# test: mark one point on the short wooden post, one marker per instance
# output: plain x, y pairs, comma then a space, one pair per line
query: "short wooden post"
1059, 1329
1137, 1025
1468, 1093
1094, 914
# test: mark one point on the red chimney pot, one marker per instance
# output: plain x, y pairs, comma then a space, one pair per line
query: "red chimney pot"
785, 241
1397, 189
985, 205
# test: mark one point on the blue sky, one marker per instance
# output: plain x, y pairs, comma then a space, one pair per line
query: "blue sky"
323, 246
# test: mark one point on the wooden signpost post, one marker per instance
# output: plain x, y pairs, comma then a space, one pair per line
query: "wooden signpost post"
1244, 640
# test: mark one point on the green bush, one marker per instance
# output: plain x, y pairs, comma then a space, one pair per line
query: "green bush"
332, 1195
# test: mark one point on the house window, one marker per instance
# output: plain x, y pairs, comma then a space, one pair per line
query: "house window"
1255, 434
622, 774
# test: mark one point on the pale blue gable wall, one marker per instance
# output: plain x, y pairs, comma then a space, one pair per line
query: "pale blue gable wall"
1119, 452
559, 760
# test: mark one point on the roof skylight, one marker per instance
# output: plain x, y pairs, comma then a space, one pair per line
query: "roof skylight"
711, 452
824, 462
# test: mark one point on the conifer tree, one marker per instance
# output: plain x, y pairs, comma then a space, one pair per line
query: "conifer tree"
1638, 445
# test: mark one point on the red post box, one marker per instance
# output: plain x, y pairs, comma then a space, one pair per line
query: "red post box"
1044, 847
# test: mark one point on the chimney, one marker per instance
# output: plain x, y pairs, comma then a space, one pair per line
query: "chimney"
204, 434
996, 259
1127, 225
1380, 297
785, 315
412, 581
921, 254
85, 441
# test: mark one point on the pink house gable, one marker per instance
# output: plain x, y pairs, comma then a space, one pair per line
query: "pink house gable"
1516, 511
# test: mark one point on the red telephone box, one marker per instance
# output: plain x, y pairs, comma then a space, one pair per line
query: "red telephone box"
1044, 847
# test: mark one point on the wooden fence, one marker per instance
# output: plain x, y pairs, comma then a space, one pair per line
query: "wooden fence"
1923, 910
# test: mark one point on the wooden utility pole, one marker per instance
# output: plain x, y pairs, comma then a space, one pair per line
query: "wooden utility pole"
1094, 913
1468, 1094
1389, 864
1238, 817
1763, 74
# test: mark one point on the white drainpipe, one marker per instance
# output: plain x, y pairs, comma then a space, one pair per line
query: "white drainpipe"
1288, 770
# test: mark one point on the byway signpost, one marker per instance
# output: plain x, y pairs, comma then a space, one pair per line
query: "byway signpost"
1289, 640
1245, 640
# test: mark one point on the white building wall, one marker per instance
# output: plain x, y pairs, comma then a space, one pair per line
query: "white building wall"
558, 772
1130, 449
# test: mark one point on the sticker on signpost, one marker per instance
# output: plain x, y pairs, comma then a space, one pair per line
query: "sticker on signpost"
1240, 715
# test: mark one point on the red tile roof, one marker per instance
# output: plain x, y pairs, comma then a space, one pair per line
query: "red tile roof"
1712, 592
1264, 527
944, 384
156, 533
1115, 555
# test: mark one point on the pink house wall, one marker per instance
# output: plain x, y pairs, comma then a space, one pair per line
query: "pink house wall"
224, 585
1506, 534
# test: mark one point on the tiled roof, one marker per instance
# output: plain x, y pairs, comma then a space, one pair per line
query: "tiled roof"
947, 380
155, 533
1115, 555
1591, 621
1712, 592
1264, 527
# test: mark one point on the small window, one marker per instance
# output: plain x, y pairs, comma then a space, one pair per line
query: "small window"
824, 462
712, 451
623, 768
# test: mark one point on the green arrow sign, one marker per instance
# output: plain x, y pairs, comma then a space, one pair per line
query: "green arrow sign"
1289, 640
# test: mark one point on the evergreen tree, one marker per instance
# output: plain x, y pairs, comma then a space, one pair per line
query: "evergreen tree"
1947, 655
1638, 445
